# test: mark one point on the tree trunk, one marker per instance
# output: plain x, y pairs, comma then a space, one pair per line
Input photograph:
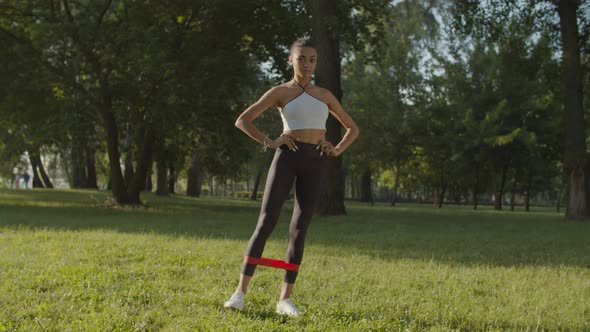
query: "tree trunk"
77, 160
254, 194
576, 206
575, 156
128, 153
193, 186
44, 176
564, 182
443, 190
38, 169
513, 194
352, 180
396, 184
171, 178
161, 178
211, 185
345, 175
148, 178
247, 177
91, 182
128, 168
327, 41
366, 192
455, 193
357, 187
476, 186
143, 164
224, 187
37, 183
529, 187
500, 190
117, 182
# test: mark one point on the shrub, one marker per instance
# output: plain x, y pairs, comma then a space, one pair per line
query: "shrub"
246, 194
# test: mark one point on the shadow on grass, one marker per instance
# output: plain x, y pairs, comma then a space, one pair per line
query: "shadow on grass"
392, 319
255, 314
451, 235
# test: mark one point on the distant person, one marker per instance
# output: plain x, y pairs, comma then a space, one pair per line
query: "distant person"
16, 177
26, 178
301, 155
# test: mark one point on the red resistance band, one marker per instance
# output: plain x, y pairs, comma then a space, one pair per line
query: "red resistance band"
271, 263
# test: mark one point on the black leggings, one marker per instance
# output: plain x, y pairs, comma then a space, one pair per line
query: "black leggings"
307, 168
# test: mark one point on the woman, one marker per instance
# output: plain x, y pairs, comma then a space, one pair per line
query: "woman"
301, 154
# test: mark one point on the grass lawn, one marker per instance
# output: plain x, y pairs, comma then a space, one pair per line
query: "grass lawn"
70, 263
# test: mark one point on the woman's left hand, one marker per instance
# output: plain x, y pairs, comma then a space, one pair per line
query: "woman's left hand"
327, 148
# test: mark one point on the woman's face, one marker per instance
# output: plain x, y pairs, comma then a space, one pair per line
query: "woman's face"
304, 60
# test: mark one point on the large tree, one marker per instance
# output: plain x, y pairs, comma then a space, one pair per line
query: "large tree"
333, 22
576, 165
327, 39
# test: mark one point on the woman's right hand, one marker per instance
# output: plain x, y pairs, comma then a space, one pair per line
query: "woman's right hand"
287, 140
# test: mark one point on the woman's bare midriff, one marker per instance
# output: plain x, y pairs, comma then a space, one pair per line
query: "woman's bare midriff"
313, 136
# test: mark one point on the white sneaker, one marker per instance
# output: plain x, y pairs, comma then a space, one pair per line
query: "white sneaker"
236, 301
286, 307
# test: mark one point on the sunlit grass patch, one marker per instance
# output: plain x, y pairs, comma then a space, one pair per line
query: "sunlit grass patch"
68, 263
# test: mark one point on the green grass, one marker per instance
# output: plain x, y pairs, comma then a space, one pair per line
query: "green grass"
68, 262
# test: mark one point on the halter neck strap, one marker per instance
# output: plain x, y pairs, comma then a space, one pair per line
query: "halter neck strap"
302, 86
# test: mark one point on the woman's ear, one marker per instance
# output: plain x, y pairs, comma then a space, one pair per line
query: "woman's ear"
290, 60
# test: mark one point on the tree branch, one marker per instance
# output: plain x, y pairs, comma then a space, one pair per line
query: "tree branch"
102, 14
68, 11
430, 5
52, 6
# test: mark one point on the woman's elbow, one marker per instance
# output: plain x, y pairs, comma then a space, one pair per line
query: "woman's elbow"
355, 131
240, 122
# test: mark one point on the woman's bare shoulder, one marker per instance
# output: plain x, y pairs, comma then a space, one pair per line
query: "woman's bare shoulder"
324, 94
323, 91
278, 89
275, 94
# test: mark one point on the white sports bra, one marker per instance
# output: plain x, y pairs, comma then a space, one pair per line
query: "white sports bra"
304, 112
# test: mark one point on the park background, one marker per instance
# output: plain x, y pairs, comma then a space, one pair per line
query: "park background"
123, 114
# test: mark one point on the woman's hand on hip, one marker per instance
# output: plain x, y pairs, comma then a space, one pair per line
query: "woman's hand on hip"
328, 149
287, 140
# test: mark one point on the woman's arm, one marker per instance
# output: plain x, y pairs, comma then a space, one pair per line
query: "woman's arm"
244, 121
352, 130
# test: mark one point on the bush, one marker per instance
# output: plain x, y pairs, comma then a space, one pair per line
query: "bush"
246, 194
